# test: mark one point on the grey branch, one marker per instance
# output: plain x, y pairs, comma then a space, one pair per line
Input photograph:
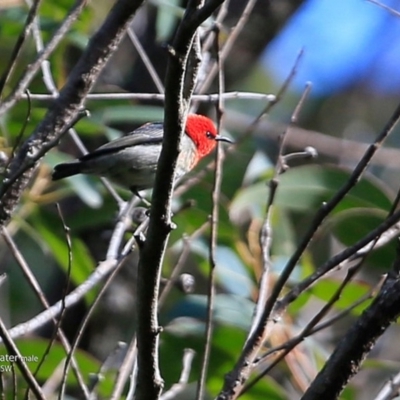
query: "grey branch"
64, 110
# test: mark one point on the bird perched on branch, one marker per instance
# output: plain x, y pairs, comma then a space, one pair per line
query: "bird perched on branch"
132, 160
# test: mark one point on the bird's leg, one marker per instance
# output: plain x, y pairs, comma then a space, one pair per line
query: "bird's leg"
137, 194
130, 213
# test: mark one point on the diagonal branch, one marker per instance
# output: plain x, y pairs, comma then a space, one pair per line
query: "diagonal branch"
38, 291
214, 222
18, 46
13, 351
67, 106
42, 56
177, 100
243, 367
358, 342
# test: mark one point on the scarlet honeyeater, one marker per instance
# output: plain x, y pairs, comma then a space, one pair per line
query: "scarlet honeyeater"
132, 160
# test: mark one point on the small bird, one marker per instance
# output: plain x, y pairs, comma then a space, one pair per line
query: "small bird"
131, 161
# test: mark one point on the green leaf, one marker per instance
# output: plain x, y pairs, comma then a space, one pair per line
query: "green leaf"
266, 388
34, 350
168, 15
284, 241
50, 231
228, 309
129, 113
305, 188
311, 185
257, 168
78, 39
351, 225
301, 271
353, 291
232, 273
90, 218
89, 126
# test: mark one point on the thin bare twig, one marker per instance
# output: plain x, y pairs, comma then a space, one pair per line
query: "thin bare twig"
12, 350
68, 348
390, 390
69, 252
216, 193
183, 379
105, 366
229, 44
266, 230
326, 208
178, 89
50, 47
49, 83
272, 100
102, 270
127, 368
311, 328
181, 262
52, 383
348, 150
210, 40
212, 98
128, 364
146, 61
45, 65
385, 7
52, 88
243, 367
22, 131
207, 62
132, 382
89, 313
124, 220
64, 110
355, 252
18, 46
352, 348
270, 104
39, 293
258, 331
363, 253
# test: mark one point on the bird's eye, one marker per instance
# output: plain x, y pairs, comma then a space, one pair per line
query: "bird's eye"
209, 135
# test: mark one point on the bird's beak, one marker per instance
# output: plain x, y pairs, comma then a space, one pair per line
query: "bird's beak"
220, 138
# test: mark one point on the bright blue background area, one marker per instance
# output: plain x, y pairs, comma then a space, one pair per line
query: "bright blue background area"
345, 42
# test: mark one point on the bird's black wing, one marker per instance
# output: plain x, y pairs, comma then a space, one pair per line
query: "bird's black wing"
150, 133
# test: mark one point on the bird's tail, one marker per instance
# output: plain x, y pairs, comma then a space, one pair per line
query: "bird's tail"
65, 170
